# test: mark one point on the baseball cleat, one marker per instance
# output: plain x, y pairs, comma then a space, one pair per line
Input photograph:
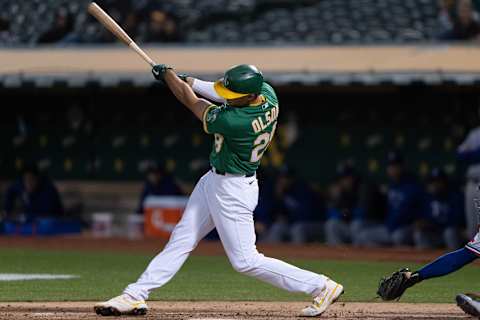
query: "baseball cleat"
329, 295
469, 303
121, 305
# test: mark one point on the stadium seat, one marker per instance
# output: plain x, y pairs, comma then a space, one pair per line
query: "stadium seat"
222, 21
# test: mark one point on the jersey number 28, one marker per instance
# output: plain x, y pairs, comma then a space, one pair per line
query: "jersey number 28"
261, 143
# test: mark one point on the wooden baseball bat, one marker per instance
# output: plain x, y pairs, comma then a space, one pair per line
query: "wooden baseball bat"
107, 21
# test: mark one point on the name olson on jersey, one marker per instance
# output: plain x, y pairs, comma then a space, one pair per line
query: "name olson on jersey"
260, 124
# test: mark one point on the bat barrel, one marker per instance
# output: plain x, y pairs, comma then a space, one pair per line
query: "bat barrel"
95, 10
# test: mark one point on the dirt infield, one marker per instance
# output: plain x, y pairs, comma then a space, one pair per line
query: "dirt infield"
214, 248
235, 310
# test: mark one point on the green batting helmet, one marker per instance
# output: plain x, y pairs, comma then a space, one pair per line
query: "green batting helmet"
239, 81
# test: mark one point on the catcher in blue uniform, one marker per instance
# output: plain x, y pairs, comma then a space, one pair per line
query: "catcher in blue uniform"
393, 287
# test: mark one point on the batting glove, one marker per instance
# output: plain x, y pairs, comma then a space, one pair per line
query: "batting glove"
159, 71
183, 76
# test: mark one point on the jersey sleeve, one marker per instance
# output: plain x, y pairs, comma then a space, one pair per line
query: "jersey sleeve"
206, 89
216, 120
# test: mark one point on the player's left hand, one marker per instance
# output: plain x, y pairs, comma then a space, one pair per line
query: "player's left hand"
159, 70
183, 77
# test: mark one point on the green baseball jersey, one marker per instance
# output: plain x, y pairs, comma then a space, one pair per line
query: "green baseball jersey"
242, 134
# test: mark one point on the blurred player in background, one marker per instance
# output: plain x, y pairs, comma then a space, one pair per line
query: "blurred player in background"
469, 153
355, 203
31, 196
403, 205
296, 218
441, 214
158, 183
345, 215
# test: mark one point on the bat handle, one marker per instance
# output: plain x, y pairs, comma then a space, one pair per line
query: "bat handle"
141, 53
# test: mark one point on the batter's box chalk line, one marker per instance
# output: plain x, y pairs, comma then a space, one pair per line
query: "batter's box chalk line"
35, 276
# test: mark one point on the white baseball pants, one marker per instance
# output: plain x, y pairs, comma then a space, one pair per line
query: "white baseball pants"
226, 203
471, 207
474, 245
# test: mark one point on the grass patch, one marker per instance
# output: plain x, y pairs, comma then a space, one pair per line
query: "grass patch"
103, 275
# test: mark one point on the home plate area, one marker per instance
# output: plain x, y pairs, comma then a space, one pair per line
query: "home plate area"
235, 310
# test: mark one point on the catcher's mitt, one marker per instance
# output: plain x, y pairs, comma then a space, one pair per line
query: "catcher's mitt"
393, 287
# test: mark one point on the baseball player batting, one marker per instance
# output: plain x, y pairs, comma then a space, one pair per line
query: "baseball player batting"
243, 124
394, 286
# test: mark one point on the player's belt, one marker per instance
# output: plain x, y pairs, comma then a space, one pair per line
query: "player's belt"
223, 173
